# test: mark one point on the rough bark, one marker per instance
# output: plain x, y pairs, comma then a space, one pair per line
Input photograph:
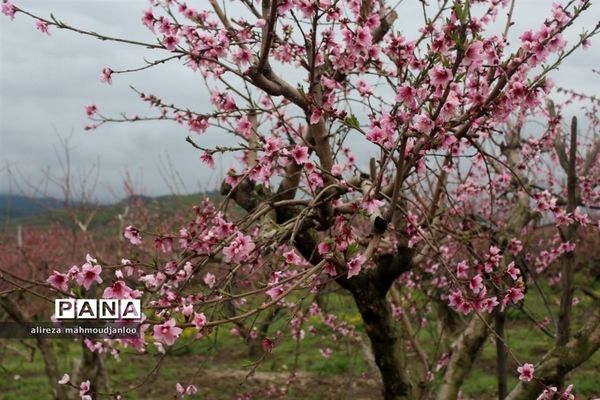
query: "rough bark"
94, 369
450, 325
501, 359
464, 351
567, 260
369, 289
385, 342
370, 294
562, 359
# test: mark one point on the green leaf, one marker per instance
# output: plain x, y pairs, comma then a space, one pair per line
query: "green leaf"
352, 121
351, 250
301, 90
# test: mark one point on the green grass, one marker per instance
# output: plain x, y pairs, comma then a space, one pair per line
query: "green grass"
199, 361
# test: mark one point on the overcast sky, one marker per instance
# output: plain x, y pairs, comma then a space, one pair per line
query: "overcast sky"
45, 82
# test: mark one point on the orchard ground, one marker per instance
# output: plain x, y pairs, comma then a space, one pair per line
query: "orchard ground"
219, 365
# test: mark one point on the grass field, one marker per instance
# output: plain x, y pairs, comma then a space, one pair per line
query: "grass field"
219, 365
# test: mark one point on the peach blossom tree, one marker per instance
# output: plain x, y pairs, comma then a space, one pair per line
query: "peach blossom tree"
403, 167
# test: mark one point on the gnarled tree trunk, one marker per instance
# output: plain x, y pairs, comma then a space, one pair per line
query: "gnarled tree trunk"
561, 360
386, 342
464, 351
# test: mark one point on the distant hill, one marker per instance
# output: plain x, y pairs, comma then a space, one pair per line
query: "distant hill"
17, 209
17, 206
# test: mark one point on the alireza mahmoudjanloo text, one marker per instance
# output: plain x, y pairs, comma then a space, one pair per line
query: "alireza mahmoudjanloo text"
128, 309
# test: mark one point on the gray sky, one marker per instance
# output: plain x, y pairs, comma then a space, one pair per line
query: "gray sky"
45, 82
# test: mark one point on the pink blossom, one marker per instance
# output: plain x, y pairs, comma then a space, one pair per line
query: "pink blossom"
408, 95
476, 283
549, 393
315, 116
239, 249
461, 270
456, 299
515, 246
291, 257
267, 345
275, 292
170, 42
581, 217
567, 394
84, 388
371, 205
330, 269
42, 26
585, 44
170, 268
150, 281
179, 388
164, 244
74, 272
242, 57
199, 320
364, 88
355, 266
58, 281
307, 7
300, 154
167, 332
513, 271
326, 352
89, 274
91, 110
324, 248
315, 180
191, 389
272, 145
363, 36
133, 235
64, 380
209, 280
208, 159
423, 123
525, 372
148, 19
187, 310
118, 290
324, 4
9, 10
106, 75
545, 201
337, 170
512, 295
378, 135
492, 259
198, 124
474, 54
440, 76
244, 127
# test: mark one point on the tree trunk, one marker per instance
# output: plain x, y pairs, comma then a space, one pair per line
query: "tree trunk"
386, 343
94, 369
464, 351
450, 325
561, 360
499, 322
